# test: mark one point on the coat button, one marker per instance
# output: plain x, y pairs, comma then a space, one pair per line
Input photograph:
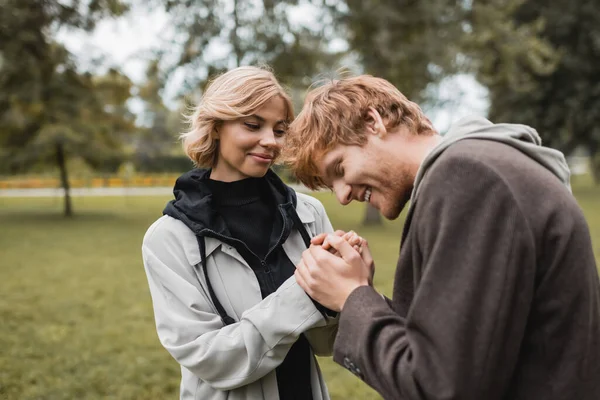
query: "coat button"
358, 373
347, 363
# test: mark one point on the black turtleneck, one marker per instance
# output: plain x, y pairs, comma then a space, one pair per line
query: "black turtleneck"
248, 209
250, 212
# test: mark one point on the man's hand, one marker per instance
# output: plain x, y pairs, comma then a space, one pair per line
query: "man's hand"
329, 279
350, 236
357, 242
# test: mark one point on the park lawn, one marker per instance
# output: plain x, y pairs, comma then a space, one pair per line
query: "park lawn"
75, 308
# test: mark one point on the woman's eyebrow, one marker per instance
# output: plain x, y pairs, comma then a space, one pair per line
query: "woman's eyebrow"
262, 119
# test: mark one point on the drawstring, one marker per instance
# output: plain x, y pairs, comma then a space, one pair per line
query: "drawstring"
227, 320
299, 226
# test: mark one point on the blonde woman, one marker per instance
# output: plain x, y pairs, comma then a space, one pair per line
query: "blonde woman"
220, 261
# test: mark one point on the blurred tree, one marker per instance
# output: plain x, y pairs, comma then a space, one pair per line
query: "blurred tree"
48, 110
412, 44
417, 44
557, 89
157, 138
216, 35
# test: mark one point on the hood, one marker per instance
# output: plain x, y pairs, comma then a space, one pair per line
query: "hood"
193, 200
522, 137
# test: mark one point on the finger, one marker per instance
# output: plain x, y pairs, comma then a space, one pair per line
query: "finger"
323, 241
304, 272
345, 249
301, 281
318, 240
317, 260
349, 235
368, 260
308, 259
323, 261
366, 252
355, 240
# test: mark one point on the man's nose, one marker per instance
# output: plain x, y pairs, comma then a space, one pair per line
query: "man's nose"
343, 192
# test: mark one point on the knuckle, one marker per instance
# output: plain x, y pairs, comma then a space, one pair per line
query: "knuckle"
354, 258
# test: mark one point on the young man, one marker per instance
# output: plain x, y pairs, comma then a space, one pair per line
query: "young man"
496, 293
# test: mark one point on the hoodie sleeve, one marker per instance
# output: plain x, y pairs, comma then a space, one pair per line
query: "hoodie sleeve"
226, 357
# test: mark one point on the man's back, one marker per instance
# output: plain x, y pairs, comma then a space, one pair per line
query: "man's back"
505, 247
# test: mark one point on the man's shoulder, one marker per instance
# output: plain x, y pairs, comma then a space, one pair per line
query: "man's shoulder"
470, 159
483, 166
480, 151
473, 169
490, 159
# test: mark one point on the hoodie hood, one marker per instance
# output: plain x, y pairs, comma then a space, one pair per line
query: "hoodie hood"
522, 137
193, 203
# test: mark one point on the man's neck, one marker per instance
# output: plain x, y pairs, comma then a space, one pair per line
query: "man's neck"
416, 148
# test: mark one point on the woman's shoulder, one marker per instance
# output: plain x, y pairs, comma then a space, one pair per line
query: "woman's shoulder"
310, 203
165, 231
308, 199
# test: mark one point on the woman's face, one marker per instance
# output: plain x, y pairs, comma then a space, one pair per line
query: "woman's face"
248, 146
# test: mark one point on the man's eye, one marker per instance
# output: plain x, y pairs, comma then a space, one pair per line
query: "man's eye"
252, 126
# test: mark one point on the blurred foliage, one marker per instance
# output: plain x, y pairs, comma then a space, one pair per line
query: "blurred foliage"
537, 59
555, 86
49, 111
160, 126
246, 32
413, 44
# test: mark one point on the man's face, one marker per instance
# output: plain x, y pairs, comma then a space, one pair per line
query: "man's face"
369, 173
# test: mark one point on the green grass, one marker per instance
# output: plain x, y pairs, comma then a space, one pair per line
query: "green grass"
75, 311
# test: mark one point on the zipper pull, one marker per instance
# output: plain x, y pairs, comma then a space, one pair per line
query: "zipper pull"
263, 263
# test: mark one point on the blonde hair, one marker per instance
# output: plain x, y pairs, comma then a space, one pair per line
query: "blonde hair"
232, 95
335, 113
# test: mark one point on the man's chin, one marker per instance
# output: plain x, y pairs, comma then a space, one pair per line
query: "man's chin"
390, 215
393, 212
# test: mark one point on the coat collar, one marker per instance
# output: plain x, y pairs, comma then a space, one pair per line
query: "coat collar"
303, 211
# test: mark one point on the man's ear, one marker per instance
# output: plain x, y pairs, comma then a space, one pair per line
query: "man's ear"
374, 123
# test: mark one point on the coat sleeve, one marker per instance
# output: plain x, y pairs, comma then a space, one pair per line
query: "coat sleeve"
226, 357
321, 339
462, 334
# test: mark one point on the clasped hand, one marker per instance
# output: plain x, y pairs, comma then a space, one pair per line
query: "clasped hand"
334, 266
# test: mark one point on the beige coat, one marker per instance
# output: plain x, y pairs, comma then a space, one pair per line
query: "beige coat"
237, 361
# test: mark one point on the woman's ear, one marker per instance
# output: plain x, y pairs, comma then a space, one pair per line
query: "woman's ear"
374, 123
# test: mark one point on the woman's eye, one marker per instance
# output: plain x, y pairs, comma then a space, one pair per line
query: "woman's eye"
279, 132
252, 126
